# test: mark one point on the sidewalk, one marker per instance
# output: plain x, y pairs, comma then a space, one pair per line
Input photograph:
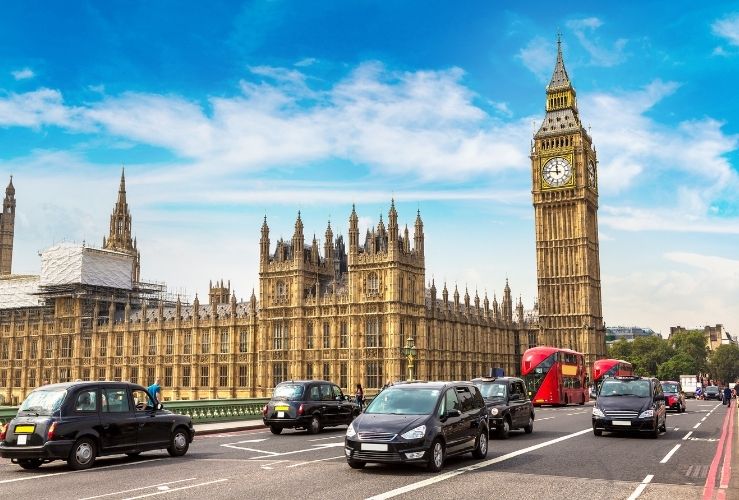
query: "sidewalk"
733, 491
238, 425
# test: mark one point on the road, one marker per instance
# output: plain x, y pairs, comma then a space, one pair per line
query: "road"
560, 459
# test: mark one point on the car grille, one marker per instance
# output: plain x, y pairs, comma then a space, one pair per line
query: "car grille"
376, 436
625, 414
379, 456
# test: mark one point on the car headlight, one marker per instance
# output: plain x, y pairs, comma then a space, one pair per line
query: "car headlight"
598, 413
494, 411
415, 433
350, 431
646, 414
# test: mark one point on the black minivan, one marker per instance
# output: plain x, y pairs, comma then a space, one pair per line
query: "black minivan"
630, 404
419, 423
79, 421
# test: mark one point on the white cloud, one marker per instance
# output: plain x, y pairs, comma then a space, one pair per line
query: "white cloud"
538, 57
727, 28
23, 74
38, 108
584, 30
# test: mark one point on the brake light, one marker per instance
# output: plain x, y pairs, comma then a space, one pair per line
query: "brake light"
264, 410
50, 432
3, 429
301, 410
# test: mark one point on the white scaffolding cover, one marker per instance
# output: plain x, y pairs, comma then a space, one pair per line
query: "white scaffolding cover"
67, 264
18, 291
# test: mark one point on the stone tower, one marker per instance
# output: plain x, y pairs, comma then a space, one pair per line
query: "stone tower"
119, 238
7, 229
565, 196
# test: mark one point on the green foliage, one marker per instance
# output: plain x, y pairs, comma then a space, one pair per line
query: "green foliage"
621, 349
692, 343
645, 353
724, 363
680, 364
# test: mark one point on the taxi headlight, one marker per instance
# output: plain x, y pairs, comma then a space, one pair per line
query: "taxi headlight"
646, 414
415, 433
350, 431
494, 411
598, 413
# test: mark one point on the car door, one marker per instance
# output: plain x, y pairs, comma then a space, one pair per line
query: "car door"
452, 427
344, 408
118, 423
519, 405
659, 404
153, 428
469, 416
329, 406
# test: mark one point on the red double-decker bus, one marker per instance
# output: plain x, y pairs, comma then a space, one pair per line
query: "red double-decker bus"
554, 376
604, 368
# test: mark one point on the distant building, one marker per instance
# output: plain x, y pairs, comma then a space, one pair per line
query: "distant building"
715, 335
614, 333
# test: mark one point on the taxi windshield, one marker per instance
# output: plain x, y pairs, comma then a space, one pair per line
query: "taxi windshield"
404, 401
613, 387
290, 392
492, 389
43, 402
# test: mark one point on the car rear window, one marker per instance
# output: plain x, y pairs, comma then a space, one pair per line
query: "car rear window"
288, 391
43, 402
670, 388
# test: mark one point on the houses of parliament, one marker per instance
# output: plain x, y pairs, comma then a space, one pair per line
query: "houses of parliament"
343, 312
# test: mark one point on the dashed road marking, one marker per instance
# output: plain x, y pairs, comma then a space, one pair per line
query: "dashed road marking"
177, 489
669, 454
94, 469
158, 486
313, 461
687, 436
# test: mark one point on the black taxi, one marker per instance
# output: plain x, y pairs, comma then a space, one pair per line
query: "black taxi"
508, 404
79, 421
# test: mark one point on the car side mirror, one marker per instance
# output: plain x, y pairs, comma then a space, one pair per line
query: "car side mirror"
453, 413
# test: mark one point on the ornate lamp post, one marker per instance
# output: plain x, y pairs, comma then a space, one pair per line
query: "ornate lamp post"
409, 351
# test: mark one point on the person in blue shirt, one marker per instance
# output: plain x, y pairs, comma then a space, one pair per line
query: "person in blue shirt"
155, 390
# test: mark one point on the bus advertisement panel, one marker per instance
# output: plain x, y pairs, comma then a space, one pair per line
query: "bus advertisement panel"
554, 376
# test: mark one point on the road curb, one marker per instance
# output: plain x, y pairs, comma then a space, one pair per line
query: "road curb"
221, 430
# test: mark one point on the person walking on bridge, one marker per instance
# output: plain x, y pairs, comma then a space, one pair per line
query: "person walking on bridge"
727, 396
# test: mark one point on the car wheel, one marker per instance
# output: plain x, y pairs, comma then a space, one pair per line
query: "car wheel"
504, 429
133, 454
356, 464
275, 430
530, 427
30, 463
436, 456
597, 432
655, 433
481, 445
83, 454
179, 444
315, 425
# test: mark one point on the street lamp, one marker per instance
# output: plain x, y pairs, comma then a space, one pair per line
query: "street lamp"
409, 351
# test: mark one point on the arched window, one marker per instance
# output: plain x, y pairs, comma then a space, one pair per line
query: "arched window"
281, 290
373, 284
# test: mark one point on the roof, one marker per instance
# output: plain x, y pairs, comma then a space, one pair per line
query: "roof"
495, 379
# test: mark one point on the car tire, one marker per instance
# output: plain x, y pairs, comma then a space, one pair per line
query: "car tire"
83, 454
315, 425
133, 454
356, 464
178, 443
436, 456
655, 433
481, 444
597, 432
274, 429
504, 429
30, 463
530, 427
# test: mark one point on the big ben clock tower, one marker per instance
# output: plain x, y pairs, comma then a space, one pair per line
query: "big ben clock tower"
565, 193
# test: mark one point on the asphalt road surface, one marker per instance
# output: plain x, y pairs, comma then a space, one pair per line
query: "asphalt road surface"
560, 459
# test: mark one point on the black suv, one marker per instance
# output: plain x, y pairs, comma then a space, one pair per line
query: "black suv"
508, 404
422, 422
80, 421
308, 404
630, 404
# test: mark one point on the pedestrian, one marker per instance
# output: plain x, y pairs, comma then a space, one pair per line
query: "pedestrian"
727, 396
155, 390
360, 396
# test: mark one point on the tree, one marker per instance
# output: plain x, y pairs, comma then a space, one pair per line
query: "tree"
693, 344
724, 363
648, 353
621, 349
680, 364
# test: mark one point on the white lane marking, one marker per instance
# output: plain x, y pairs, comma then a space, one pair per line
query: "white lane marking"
323, 439
251, 441
177, 489
229, 445
704, 418
576, 413
687, 436
160, 485
696, 425
35, 476
315, 447
709, 440
639, 489
469, 468
313, 461
545, 418
268, 466
676, 428
163, 488
670, 453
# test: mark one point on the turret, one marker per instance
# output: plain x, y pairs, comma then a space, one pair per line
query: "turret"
298, 240
392, 226
507, 303
328, 247
264, 243
418, 235
314, 257
445, 295
119, 237
7, 229
353, 232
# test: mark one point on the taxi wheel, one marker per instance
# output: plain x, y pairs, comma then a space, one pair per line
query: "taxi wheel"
315, 425
530, 426
30, 463
481, 445
274, 429
436, 456
597, 432
83, 454
356, 464
504, 429
178, 445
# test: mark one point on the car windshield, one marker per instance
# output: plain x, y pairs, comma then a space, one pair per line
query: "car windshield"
404, 401
288, 391
614, 387
43, 402
669, 388
711, 388
492, 389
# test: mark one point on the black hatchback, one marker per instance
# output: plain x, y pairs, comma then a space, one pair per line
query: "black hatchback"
308, 404
80, 421
419, 423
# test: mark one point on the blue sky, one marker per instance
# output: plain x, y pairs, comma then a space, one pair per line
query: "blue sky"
223, 112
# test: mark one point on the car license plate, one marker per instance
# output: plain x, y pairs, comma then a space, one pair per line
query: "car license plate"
280, 414
22, 439
374, 447
24, 429
621, 422
282, 408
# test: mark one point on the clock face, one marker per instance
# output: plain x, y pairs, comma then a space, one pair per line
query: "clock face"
557, 172
591, 173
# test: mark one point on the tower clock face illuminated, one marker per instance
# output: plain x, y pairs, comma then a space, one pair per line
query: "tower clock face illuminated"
556, 172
